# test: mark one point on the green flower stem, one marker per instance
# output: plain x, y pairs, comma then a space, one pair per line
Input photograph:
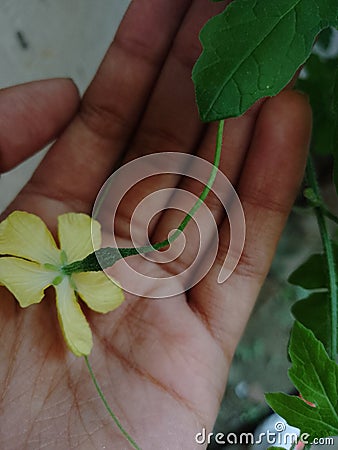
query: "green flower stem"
112, 415
329, 255
106, 257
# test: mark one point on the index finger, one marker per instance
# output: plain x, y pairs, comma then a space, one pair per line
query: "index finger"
112, 105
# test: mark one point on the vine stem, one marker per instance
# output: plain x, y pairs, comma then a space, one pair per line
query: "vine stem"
104, 400
106, 257
329, 255
204, 194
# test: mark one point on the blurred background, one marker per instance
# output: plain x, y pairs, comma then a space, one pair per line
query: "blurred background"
62, 38
47, 39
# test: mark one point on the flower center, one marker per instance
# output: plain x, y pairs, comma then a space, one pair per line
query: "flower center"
59, 269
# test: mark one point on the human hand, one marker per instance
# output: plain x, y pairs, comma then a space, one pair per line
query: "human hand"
162, 364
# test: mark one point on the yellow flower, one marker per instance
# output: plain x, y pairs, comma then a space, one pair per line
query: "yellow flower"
33, 262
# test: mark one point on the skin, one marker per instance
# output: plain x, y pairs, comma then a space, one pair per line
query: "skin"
162, 364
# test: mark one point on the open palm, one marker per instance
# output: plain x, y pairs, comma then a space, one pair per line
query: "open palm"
162, 364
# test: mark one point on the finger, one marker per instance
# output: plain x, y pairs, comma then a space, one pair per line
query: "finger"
171, 122
267, 188
112, 105
31, 115
237, 138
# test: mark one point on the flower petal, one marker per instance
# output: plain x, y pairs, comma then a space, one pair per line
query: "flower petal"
74, 325
26, 235
79, 235
97, 290
26, 280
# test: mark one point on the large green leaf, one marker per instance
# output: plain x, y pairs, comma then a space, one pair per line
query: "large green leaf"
315, 376
253, 49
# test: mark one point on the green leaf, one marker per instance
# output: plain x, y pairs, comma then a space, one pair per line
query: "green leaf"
276, 448
311, 274
314, 313
315, 376
300, 415
253, 49
319, 85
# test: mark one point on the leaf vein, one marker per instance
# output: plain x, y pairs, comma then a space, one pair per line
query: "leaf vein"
237, 66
